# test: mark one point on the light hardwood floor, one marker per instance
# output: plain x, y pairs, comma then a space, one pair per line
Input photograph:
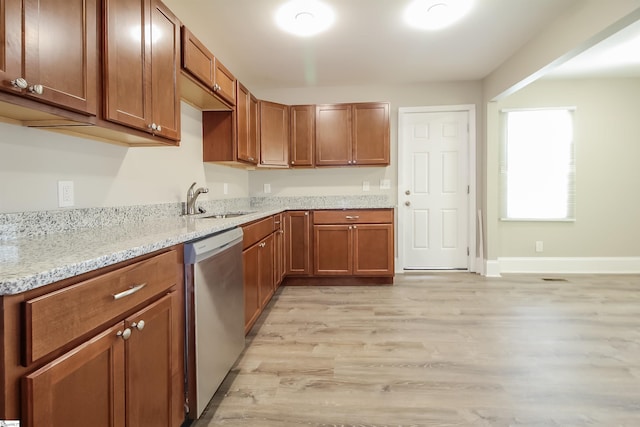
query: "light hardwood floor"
445, 349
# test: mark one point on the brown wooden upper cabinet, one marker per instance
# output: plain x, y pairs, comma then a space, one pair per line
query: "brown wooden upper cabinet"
141, 60
274, 134
303, 135
200, 63
352, 134
246, 125
231, 137
59, 63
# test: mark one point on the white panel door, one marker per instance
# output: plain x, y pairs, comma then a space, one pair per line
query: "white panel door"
434, 201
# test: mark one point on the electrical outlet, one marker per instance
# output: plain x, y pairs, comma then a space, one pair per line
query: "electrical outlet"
385, 184
225, 188
65, 194
539, 246
365, 185
267, 188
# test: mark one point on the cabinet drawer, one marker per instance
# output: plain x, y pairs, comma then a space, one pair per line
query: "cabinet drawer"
353, 216
256, 231
58, 318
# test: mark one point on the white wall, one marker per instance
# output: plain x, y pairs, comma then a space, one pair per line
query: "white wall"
32, 161
607, 143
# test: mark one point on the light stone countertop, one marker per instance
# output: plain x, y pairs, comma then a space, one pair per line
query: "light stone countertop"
33, 262
30, 261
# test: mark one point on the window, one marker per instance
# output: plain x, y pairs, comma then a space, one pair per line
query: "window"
538, 165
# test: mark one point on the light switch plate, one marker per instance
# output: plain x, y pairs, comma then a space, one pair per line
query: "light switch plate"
225, 188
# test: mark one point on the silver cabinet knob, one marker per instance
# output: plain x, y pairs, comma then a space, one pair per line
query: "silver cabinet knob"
407, 203
159, 128
292, 162
407, 192
125, 335
37, 89
139, 325
20, 83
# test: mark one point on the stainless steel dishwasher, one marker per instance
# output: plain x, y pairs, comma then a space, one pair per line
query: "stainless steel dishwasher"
215, 314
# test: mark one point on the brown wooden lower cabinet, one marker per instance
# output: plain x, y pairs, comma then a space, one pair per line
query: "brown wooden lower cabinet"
112, 380
122, 362
353, 243
297, 231
258, 259
278, 250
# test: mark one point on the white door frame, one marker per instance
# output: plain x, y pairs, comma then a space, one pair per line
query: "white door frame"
470, 109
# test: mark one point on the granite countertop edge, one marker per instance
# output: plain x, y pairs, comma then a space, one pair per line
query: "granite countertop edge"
27, 264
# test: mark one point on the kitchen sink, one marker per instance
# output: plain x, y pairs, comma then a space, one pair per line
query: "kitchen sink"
226, 215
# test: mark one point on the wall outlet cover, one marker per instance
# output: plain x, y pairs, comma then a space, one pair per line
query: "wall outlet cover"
365, 185
267, 188
65, 194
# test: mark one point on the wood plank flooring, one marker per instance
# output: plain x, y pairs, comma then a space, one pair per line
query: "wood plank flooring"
442, 349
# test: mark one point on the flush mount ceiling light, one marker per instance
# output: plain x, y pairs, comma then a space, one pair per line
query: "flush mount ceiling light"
304, 17
435, 14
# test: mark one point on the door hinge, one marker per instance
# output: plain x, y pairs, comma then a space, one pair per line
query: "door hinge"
468, 251
468, 189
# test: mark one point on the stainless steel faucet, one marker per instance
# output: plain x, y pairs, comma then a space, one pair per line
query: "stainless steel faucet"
192, 196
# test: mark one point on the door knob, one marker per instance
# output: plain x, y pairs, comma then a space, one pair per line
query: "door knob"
126, 334
20, 83
407, 203
138, 325
37, 89
407, 192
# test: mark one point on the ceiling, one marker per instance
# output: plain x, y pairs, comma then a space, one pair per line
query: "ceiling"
369, 44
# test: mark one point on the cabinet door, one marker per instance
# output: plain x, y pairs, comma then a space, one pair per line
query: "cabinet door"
266, 275
274, 134
84, 387
225, 83
303, 134
61, 51
333, 135
242, 124
333, 250
127, 62
251, 286
373, 246
297, 234
254, 129
279, 273
165, 60
149, 356
197, 59
371, 134
10, 43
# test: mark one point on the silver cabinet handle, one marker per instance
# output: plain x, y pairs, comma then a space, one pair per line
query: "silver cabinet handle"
20, 83
37, 89
352, 217
139, 325
125, 335
132, 290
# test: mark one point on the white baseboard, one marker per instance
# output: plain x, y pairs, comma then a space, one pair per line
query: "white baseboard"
491, 268
569, 265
